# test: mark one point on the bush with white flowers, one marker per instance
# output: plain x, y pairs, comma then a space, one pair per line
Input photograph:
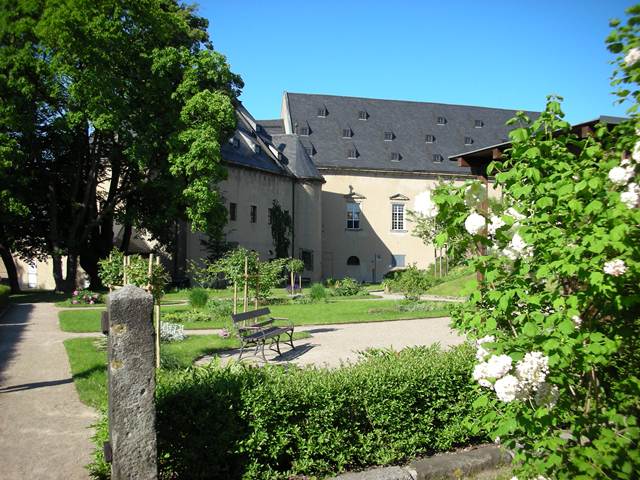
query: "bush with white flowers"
171, 332
557, 314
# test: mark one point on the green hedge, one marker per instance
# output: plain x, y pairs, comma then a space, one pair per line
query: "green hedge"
274, 422
4, 296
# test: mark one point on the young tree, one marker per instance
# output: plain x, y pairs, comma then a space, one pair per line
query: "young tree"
117, 111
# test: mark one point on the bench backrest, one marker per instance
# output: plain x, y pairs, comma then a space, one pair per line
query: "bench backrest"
241, 317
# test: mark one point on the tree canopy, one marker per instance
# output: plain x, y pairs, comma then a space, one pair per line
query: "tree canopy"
110, 111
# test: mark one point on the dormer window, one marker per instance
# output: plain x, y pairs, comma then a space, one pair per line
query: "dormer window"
347, 133
363, 115
429, 139
256, 148
468, 140
437, 158
309, 150
322, 112
352, 153
388, 136
478, 124
441, 121
304, 131
235, 142
395, 157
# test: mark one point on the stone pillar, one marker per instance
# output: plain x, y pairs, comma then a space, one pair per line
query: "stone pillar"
131, 359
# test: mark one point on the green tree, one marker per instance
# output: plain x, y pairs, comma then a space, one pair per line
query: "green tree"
113, 110
281, 226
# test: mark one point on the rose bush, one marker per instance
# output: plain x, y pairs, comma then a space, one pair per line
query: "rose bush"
557, 313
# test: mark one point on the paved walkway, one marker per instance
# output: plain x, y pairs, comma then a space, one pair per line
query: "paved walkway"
332, 345
44, 429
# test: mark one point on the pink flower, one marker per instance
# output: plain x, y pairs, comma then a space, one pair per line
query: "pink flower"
91, 302
74, 301
75, 293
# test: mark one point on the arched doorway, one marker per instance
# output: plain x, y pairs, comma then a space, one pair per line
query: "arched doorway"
353, 268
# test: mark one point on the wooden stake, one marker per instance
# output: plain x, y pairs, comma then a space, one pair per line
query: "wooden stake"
257, 290
245, 303
235, 297
156, 316
293, 281
300, 282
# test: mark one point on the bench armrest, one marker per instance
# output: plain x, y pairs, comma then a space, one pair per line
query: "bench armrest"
282, 318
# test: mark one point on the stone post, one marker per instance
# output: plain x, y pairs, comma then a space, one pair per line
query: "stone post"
131, 359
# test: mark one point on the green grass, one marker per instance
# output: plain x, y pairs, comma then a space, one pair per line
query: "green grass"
38, 296
88, 320
334, 311
457, 287
89, 363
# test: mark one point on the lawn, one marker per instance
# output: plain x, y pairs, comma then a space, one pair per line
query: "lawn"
38, 296
331, 312
88, 360
88, 320
457, 287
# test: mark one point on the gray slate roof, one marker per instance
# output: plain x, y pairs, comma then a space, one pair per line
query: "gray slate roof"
272, 127
295, 158
409, 123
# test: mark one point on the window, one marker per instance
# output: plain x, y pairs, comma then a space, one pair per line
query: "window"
307, 257
388, 136
253, 214
322, 112
235, 142
395, 157
441, 121
347, 133
397, 217
304, 131
233, 211
352, 153
353, 261
429, 139
353, 216
437, 158
309, 150
362, 115
468, 140
478, 124
270, 216
398, 261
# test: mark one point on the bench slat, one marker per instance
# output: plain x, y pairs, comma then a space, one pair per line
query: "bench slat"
239, 317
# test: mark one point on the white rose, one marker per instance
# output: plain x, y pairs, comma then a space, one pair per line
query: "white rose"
424, 205
532, 370
498, 366
636, 152
474, 223
631, 198
621, 175
517, 248
496, 223
615, 268
507, 388
632, 57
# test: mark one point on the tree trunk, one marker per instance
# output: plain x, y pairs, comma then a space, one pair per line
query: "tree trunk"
126, 237
56, 261
10, 265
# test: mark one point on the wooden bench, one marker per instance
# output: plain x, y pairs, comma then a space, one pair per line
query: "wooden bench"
255, 332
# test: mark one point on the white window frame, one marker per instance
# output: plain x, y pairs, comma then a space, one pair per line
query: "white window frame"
397, 217
353, 216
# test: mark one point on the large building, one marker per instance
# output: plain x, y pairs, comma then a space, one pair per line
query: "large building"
376, 156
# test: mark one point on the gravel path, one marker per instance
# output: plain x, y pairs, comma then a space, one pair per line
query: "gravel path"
332, 345
44, 427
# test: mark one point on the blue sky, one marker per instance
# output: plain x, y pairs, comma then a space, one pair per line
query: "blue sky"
505, 54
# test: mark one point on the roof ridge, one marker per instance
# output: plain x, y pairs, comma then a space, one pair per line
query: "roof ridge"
407, 101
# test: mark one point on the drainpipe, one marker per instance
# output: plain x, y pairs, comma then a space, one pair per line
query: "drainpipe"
293, 217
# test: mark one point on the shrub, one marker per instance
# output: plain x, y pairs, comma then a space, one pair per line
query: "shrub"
86, 297
182, 316
219, 308
198, 297
317, 292
347, 287
411, 282
171, 332
272, 422
4, 296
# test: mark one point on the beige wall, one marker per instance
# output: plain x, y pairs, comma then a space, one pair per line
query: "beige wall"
247, 187
41, 276
375, 242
